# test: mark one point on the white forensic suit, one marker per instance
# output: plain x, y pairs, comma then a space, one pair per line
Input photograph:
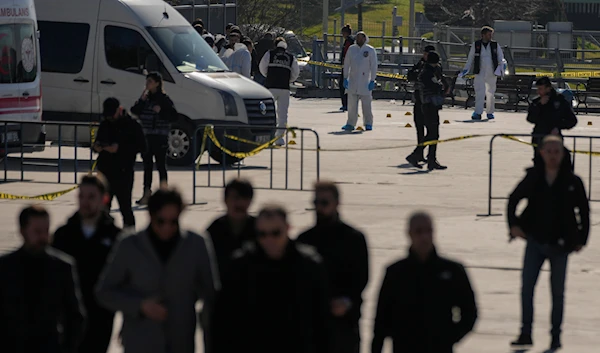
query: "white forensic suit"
241, 60
485, 80
360, 68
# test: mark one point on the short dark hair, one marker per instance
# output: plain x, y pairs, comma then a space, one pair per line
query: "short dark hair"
98, 181
199, 28
433, 58
418, 216
486, 29
273, 211
243, 188
268, 36
29, 212
229, 25
328, 186
164, 197
198, 21
110, 107
544, 81
428, 49
347, 29
247, 41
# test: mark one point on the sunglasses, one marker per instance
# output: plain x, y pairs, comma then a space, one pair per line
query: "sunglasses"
171, 222
322, 202
274, 233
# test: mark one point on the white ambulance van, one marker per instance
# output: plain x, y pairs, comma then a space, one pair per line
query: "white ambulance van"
20, 75
95, 49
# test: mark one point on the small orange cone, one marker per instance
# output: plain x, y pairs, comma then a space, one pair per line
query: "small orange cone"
589, 123
389, 116
408, 113
446, 122
360, 128
408, 125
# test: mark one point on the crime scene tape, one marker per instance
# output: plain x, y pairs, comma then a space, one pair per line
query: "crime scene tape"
513, 138
340, 67
52, 195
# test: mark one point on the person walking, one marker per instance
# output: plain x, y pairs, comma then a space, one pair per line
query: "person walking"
432, 87
555, 223
348, 41
346, 259
550, 113
88, 237
274, 297
420, 295
241, 59
262, 47
280, 69
417, 156
229, 232
486, 62
39, 293
155, 277
118, 141
360, 71
156, 112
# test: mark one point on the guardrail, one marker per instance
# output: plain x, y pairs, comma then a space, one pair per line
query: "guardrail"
574, 152
23, 147
231, 145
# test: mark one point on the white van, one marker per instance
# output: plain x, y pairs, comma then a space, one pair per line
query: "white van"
95, 49
20, 96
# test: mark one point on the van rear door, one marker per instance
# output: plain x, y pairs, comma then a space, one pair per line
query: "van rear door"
9, 86
27, 70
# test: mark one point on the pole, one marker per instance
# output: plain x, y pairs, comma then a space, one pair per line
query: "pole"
325, 15
411, 25
343, 14
360, 17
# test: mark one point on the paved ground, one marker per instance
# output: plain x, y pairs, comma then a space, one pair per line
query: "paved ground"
380, 190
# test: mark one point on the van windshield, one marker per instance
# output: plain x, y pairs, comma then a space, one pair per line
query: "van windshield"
186, 49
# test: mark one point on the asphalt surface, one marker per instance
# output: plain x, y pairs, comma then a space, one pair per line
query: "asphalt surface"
379, 191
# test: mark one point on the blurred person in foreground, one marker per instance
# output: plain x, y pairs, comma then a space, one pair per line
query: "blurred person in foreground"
555, 223
40, 305
88, 237
155, 277
346, 259
274, 297
426, 303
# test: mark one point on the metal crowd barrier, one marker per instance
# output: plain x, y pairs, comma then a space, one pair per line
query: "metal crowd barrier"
77, 133
574, 152
233, 144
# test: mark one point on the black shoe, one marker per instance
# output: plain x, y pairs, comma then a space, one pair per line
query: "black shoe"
422, 160
414, 161
435, 165
555, 343
522, 341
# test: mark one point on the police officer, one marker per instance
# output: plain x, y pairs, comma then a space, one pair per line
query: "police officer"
280, 68
486, 63
119, 140
413, 75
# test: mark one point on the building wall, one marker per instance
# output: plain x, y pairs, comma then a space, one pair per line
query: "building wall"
584, 15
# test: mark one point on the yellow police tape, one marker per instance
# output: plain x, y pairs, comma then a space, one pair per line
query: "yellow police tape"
53, 195
566, 74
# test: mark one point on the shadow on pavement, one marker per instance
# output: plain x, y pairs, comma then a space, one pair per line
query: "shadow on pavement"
346, 132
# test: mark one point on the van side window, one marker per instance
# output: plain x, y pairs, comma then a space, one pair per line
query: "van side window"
18, 53
63, 46
127, 50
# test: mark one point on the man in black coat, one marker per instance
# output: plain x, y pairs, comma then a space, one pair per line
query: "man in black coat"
88, 237
550, 113
274, 296
229, 232
419, 298
38, 293
555, 223
346, 258
118, 141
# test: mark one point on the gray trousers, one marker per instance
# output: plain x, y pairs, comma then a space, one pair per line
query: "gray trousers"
353, 109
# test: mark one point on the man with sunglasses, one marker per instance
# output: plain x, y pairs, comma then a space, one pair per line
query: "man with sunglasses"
346, 259
274, 297
229, 232
155, 278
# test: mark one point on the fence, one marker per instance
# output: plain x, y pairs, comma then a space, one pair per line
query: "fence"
574, 152
23, 147
220, 140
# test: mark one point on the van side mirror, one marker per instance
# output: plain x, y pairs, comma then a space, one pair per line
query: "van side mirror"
151, 63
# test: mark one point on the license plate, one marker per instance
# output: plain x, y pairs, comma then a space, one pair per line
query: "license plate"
11, 136
262, 139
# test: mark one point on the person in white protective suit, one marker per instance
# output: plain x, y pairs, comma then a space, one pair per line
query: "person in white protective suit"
360, 70
486, 62
241, 59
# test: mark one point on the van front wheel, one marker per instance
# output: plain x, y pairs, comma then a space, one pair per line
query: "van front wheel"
181, 140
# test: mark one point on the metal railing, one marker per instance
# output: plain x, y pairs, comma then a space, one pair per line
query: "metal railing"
22, 147
573, 153
232, 138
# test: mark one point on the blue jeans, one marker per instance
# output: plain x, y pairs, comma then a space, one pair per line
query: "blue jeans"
535, 255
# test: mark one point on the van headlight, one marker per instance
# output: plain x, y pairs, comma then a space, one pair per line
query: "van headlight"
229, 103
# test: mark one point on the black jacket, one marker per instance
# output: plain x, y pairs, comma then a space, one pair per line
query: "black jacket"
155, 123
128, 134
551, 213
268, 306
347, 43
36, 294
416, 304
413, 73
225, 243
557, 113
431, 82
262, 47
346, 259
90, 254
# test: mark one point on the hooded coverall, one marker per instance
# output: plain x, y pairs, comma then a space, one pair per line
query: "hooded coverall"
360, 68
485, 80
